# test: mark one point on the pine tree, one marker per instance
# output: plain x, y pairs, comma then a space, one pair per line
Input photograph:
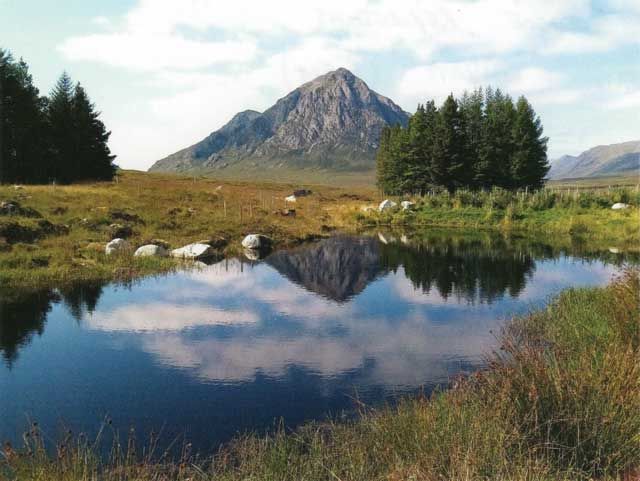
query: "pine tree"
494, 159
22, 126
481, 141
94, 159
78, 137
61, 131
472, 112
529, 164
447, 163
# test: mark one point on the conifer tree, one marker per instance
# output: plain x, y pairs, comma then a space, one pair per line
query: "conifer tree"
22, 126
529, 165
78, 137
472, 112
494, 159
447, 162
60, 117
94, 159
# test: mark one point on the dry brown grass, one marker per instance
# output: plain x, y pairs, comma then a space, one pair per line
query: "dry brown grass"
178, 210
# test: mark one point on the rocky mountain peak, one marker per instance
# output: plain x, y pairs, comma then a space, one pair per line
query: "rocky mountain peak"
333, 121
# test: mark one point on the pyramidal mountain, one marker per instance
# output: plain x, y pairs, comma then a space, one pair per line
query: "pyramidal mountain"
332, 122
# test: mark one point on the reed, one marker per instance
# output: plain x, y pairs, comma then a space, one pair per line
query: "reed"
560, 400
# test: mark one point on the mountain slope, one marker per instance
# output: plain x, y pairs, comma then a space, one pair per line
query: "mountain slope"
614, 159
333, 122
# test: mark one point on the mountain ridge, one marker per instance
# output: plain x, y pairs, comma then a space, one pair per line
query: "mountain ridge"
333, 121
613, 159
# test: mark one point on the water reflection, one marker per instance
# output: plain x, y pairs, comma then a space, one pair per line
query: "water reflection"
22, 317
233, 345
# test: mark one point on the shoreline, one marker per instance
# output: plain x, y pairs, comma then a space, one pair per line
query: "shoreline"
60, 237
560, 399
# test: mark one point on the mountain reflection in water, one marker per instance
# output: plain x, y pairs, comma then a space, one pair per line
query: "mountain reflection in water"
234, 345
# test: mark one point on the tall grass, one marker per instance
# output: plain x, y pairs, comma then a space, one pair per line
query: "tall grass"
542, 199
560, 400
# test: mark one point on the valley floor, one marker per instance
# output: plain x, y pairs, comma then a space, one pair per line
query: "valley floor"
59, 234
559, 401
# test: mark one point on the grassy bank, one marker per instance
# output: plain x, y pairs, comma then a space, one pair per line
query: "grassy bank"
57, 237
560, 400
572, 213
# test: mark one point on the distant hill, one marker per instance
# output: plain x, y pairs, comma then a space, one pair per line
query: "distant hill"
333, 123
603, 160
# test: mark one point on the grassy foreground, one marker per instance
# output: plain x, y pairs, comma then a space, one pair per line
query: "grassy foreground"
560, 400
58, 236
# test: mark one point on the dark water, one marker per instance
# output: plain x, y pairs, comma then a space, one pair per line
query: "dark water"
299, 335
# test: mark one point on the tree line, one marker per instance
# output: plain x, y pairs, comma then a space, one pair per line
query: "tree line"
480, 141
59, 138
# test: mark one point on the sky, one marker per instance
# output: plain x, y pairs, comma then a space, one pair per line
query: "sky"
166, 73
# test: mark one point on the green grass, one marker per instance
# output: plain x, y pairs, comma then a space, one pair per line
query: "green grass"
66, 244
560, 400
69, 248
579, 214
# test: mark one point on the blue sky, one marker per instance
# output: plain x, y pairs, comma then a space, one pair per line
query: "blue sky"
165, 73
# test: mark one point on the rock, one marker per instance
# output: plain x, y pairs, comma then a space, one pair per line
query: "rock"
151, 250
291, 198
125, 216
619, 205
117, 246
334, 121
215, 242
614, 250
254, 254
407, 205
13, 207
301, 193
256, 241
386, 205
193, 251
158, 242
120, 231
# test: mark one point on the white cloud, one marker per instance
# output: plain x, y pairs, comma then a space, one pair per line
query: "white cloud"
162, 316
208, 60
622, 96
149, 52
606, 33
534, 79
438, 80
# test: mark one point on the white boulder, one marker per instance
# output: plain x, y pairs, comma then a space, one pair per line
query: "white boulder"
151, 250
193, 251
290, 198
407, 204
256, 241
619, 205
386, 205
116, 246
